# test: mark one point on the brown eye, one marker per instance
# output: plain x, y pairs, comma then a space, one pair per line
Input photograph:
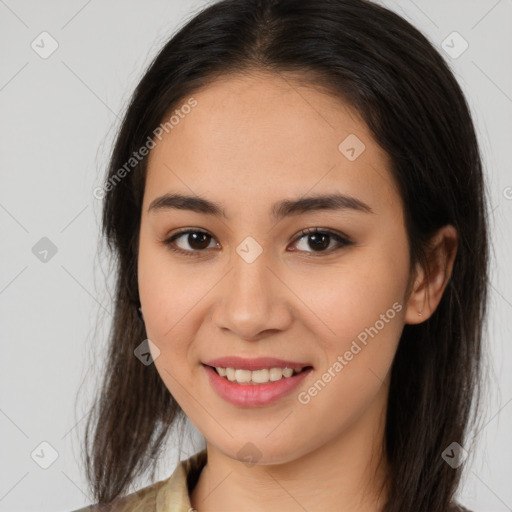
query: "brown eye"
319, 240
198, 240
195, 241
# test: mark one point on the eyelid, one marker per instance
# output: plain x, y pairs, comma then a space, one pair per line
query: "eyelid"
168, 241
342, 240
340, 237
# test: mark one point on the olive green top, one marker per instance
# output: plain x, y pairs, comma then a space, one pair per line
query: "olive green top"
172, 494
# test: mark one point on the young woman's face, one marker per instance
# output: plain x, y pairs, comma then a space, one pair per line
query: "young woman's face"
249, 284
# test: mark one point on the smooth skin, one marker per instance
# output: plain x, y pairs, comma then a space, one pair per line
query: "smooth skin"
253, 140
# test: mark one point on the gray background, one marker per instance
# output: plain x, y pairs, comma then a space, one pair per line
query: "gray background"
58, 118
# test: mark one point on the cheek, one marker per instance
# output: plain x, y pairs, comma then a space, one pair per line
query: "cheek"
167, 290
339, 301
362, 312
175, 305
171, 299
367, 318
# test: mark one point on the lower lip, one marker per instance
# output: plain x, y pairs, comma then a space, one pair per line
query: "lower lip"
254, 395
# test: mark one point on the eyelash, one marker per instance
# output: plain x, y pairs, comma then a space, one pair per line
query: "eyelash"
341, 239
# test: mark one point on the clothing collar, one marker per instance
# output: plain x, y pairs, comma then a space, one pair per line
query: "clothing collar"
174, 493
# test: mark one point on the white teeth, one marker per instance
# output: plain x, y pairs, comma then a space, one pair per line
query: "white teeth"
276, 374
287, 372
257, 376
230, 373
242, 375
260, 376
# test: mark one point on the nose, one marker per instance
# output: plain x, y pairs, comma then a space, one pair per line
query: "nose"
253, 302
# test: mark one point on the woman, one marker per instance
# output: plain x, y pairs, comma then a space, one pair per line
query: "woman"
297, 209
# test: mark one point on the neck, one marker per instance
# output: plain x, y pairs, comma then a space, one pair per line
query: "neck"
345, 474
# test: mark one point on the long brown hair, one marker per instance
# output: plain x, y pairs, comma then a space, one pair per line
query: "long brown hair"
372, 58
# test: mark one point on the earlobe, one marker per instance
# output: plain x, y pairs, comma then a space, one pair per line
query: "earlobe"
428, 289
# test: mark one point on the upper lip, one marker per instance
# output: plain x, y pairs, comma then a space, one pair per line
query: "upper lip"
257, 363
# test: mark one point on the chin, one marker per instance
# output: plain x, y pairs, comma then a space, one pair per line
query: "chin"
262, 453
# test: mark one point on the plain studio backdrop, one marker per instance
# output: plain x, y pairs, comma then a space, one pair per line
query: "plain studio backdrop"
68, 69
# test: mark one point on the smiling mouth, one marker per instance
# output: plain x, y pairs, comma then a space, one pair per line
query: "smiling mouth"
256, 377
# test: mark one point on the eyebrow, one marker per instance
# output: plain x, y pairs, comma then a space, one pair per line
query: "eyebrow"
281, 209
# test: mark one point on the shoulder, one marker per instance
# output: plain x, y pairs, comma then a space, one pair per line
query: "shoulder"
171, 494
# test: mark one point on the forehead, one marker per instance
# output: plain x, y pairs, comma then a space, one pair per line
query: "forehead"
261, 137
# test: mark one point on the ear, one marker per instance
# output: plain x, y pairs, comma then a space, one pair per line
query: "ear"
429, 287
